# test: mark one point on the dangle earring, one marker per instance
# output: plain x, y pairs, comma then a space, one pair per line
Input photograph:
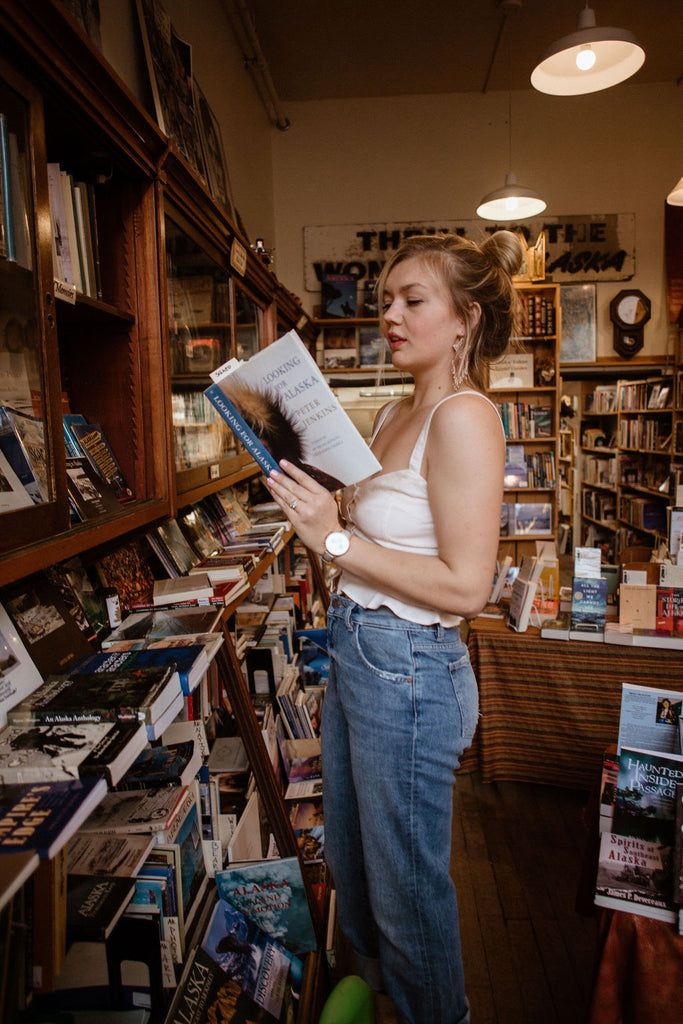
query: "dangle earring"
459, 376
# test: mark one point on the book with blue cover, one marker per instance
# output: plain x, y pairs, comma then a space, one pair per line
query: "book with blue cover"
42, 816
190, 662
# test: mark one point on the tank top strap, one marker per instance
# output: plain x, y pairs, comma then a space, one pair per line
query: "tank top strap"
382, 417
419, 449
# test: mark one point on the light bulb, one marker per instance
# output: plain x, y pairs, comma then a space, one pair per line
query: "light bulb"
585, 58
511, 203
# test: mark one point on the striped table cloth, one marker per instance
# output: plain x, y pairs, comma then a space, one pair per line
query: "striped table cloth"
549, 708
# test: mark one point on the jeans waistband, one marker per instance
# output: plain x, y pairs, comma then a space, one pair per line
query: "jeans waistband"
349, 612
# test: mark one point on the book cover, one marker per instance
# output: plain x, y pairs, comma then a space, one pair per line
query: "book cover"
339, 296
116, 752
147, 810
172, 764
13, 452
646, 794
127, 571
30, 432
15, 870
513, 370
118, 695
301, 758
97, 450
589, 606
271, 893
92, 853
532, 517
45, 624
516, 470
189, 660
13, 494
634, 875
18, 675
165, 622
265, 970
94, 904
649, 718
195, 587
280, 406
176, 547
90, 599
43, 816
90, 495
206, 993
309, 828
188, 851
50, 753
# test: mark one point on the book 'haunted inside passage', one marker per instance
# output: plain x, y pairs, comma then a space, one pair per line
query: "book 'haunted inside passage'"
279, 405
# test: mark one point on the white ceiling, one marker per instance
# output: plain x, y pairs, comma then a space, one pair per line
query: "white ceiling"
334, 49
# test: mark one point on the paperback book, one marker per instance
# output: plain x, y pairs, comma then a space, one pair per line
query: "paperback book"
190, 661
94, 904
124, 694
148, 811
51, 753
280, 406
18, 675
165, 622
92, 853
43, 816
264, 969
634, 875
645, 800
271, 893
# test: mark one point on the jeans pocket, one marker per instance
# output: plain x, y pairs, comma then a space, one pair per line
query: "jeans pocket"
466, 694
378, 647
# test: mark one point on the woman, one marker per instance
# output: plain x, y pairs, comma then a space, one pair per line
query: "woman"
416, 549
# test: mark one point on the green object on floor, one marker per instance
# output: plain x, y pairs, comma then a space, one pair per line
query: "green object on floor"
351, 1001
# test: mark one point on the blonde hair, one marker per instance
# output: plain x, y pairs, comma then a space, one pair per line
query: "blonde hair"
472, 273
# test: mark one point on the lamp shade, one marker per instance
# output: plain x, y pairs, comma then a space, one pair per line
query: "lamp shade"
675, 196
512, 202
587, 60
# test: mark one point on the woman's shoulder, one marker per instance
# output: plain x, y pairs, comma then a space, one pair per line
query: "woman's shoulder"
466, 414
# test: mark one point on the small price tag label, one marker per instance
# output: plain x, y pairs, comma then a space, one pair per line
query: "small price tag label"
214, 471
238, 257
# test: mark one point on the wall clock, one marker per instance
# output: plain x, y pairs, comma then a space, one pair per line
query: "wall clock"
629, 311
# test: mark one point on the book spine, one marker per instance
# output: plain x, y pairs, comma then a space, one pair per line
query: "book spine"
242, 432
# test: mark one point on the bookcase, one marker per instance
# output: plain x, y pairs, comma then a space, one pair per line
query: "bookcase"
645, 440
524, 386
599, 469
175, 290
629, 461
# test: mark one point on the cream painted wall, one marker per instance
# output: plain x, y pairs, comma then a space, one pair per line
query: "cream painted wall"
432, 157
218, 66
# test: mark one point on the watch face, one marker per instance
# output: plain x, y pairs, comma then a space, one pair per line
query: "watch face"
337, 543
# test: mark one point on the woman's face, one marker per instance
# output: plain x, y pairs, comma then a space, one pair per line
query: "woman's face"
418, 319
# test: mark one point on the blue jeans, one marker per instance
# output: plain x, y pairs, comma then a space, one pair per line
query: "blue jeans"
401, 707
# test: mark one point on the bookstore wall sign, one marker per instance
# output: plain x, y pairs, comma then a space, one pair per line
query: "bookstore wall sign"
578, 248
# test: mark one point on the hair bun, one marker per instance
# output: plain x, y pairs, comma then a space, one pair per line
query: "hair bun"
504, 248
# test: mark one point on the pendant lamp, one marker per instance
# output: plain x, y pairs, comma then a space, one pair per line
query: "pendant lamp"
587, 60
512, 201
675, 196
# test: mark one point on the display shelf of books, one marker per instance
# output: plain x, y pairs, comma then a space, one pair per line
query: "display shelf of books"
523, 384
644, 440
87, 305
599, 469
566, 491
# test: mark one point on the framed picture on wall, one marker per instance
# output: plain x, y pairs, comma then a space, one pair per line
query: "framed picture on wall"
579, 323
214, 154
169, 63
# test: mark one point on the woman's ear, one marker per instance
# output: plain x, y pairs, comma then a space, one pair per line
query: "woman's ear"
473, 315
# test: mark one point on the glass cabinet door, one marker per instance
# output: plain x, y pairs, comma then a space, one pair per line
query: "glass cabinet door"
200, 339
27, 471
248, 324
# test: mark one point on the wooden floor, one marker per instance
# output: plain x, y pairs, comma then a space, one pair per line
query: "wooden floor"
516, 861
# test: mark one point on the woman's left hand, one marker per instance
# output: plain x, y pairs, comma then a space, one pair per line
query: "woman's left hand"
309, 506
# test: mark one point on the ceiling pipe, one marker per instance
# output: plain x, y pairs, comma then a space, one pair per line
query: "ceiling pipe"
240, 18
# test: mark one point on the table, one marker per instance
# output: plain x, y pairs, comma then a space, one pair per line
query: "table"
550, 708
639, 975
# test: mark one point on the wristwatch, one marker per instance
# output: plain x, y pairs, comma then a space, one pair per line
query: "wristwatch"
336, 544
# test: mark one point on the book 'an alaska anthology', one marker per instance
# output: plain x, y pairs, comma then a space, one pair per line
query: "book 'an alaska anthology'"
279, 405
